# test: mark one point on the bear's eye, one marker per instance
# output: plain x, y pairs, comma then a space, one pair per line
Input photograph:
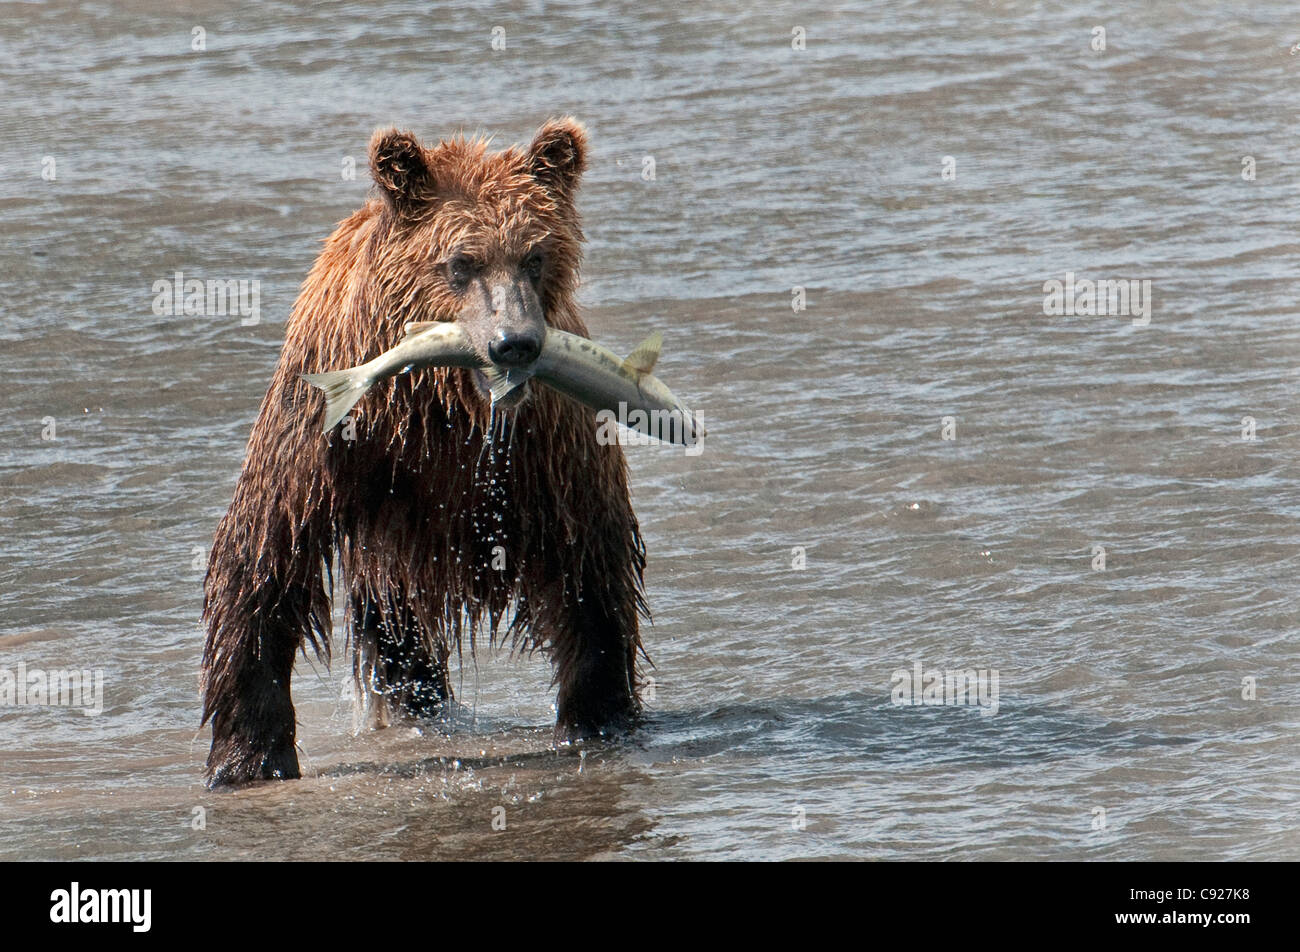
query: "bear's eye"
460, 270
532, 265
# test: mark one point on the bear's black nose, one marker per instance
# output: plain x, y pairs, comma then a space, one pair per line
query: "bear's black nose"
514, 350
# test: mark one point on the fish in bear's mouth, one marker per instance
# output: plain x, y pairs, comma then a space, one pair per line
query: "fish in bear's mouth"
516, 397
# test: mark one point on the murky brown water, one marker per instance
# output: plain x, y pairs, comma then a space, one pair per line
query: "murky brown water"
1120, 688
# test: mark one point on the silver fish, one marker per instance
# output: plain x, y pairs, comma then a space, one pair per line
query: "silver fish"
436, 344
624, 389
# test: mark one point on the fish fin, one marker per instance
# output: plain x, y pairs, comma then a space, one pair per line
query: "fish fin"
419, 327
343, 388
643, 359
499, 382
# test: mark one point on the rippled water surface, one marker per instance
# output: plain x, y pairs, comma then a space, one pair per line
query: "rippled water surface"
1121, 730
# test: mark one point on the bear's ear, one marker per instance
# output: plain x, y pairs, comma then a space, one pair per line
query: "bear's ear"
400, 168
558, 154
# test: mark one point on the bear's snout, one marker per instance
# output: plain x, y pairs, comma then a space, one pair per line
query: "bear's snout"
515, 348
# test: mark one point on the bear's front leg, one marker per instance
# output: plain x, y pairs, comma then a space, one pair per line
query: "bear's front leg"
265, 594
595, 667
258, 614
248, 702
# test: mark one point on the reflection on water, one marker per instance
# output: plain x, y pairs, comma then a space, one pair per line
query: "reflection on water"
918, 466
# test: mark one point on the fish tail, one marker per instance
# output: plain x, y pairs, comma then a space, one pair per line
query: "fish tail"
343, 388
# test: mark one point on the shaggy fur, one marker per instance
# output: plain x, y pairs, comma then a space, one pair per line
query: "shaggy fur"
412, 509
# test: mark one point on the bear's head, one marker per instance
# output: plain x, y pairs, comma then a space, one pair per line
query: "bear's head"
491, 240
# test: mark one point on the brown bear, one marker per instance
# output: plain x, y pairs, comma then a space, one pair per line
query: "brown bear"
447, 517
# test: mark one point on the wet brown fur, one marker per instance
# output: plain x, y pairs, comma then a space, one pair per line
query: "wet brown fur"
409, 510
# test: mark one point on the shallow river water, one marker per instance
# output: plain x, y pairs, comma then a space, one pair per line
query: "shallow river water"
910, 462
